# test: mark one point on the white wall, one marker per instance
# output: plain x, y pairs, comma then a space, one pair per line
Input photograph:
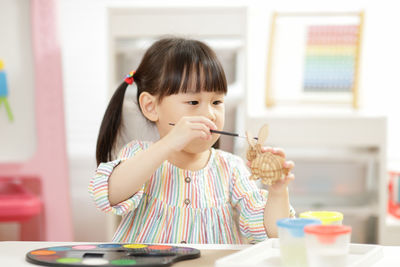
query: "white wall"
379, 85
83, 30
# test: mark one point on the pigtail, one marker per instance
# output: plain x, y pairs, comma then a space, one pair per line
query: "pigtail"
110, 125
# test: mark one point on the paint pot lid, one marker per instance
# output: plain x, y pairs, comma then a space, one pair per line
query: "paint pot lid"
327, 234
296, 225
326, 217
327, 229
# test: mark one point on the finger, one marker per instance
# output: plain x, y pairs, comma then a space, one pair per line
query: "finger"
289, 178
289, 175
200, 119
211, 124
200, 127
189, 120
202, 135
266, 149
279, 152
288, 164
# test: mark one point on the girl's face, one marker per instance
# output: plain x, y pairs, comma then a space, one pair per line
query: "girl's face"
208, 104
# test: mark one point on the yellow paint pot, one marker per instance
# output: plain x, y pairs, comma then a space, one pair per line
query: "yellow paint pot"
326, 217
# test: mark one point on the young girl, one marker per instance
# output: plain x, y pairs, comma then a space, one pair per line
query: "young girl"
179, 188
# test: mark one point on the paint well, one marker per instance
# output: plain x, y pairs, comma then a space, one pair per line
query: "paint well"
59, 248
43, 252
160, 247
135, 246
94, 261
122, 262
68, 260
109, 246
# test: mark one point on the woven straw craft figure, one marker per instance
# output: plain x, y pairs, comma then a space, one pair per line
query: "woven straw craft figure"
264, 165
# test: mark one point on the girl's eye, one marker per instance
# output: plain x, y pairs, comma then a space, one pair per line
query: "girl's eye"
217, 102
193, 102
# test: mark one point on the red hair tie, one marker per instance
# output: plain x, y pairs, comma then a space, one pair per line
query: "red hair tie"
129, 78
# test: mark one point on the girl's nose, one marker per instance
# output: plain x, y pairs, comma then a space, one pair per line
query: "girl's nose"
210, 113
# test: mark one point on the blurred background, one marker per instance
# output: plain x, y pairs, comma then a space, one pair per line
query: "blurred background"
322, 75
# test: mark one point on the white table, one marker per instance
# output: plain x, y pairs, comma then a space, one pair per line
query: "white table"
12, 253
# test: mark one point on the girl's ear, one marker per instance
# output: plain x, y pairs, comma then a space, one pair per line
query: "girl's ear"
148, 105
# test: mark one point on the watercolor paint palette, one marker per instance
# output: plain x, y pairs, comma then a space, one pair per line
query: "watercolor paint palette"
112, 254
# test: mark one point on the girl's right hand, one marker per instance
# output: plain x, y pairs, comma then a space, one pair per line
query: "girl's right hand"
187, 129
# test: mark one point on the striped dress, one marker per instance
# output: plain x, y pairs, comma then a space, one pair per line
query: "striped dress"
215, 205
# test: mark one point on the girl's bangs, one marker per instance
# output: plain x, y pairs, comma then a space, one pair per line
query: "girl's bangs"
194, 74
208, 78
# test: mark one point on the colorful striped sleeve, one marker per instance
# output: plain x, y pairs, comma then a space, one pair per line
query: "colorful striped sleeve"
98, 186
250, 202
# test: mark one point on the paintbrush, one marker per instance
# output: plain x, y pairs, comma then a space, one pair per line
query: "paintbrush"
224, 133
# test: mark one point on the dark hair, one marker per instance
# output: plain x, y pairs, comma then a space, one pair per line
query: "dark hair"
170, 66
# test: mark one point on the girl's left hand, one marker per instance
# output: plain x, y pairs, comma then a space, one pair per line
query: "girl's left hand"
281, 185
